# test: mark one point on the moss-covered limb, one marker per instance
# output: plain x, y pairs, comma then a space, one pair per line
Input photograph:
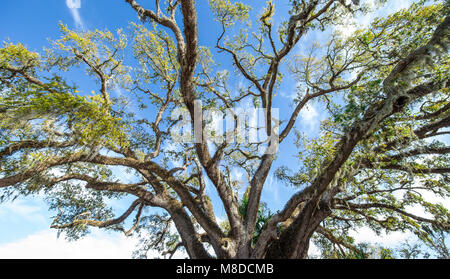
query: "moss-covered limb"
395, 101
356, 207
96, 223
340, 241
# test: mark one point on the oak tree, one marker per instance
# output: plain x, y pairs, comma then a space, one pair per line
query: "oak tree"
381, 149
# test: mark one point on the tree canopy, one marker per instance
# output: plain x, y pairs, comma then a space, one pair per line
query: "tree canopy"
382, 152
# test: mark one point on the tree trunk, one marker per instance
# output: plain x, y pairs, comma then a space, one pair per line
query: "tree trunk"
293, 242
194, 247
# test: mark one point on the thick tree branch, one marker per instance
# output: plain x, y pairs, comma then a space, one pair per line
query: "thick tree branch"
395, 102
101, 224
348, 205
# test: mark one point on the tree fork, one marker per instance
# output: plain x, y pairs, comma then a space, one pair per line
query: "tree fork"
293, 242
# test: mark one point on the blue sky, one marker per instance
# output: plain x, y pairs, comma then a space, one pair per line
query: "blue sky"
33, 22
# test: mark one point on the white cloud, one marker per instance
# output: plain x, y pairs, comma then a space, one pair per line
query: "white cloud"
391, 239
74, 6
273, 190
367, 235
98, 245
350, 23
313, 251
291, 96
396, 5
309, 116
46, 245
20, 210
347, 27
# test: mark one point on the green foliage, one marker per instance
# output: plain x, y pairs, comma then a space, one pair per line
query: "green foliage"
263, 216
35, 107
373, 175
156, 53
154, 234
18, 56
228, 13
